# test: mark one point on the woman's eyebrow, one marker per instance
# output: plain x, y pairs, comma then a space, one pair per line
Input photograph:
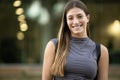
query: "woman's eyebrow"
70, 15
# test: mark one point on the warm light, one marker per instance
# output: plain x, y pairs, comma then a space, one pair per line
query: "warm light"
114, 29
21, 18
24, 27
19, 11
17, 3
20, 36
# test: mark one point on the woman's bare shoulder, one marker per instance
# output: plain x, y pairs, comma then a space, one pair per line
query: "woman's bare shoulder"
104, 49
50, 48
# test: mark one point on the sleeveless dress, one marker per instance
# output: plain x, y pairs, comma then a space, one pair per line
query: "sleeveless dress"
81, 62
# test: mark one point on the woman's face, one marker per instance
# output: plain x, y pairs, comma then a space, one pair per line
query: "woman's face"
77, 22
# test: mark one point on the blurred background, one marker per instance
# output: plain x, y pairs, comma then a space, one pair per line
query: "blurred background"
27, 25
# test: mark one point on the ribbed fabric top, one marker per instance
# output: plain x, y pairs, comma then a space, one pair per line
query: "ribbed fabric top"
81, 60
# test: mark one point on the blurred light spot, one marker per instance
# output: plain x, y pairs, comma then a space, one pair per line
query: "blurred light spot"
114, 28
34, 10
23, 27
20, 36
44, 17
58, 8
22, 22
21, 17
17, 3
19, 11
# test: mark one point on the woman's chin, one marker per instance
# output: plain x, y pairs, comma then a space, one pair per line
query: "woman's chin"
78, 32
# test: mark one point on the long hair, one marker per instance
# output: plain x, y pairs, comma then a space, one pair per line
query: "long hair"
64, 39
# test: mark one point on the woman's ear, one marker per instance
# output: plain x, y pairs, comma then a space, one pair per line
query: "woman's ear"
88, 17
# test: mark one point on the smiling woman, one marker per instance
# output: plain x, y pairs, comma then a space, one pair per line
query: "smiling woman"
73, 55
77, 22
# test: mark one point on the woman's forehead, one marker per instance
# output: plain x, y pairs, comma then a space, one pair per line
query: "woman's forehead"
75, 10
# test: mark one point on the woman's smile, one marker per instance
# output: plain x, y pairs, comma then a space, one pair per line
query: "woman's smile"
77, 28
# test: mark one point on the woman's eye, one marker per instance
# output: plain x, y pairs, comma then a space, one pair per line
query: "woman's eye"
79, 16
70, 18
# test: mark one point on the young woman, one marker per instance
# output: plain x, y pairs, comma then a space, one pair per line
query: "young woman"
73, 55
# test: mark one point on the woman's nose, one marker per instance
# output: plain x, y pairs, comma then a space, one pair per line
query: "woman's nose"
75, 21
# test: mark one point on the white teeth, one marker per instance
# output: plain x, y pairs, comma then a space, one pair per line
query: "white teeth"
77, 26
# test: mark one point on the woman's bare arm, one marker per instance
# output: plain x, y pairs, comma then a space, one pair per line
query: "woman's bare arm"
49, 55
103, 64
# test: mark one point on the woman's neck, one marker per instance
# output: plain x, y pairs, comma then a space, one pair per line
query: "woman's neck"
79, 36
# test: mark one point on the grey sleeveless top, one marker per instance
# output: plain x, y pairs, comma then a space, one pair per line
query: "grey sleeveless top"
81, 62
